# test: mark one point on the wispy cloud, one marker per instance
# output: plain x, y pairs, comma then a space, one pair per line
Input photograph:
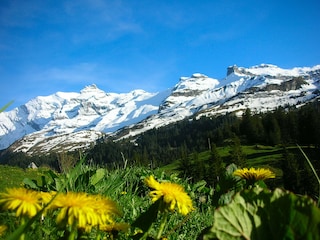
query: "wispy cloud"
84, 72
103, 20
148, 75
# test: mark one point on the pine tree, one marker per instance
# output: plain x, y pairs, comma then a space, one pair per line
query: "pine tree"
185, 165
215, 166
272, 130
291, 174
198, 167
247, 126
236, 154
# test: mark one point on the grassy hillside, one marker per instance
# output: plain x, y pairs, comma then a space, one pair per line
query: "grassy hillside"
13, 176
128, 188
256, 155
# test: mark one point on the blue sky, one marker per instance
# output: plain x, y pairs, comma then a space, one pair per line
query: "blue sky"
50, 45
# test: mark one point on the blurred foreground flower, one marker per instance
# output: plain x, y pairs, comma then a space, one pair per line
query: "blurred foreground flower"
172, 194
114, 227
83, 211
23, 201
253, 174
105, 208
3, 228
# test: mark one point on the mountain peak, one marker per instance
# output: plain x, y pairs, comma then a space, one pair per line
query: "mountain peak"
196, 81
90, 88
70, 120
199, 75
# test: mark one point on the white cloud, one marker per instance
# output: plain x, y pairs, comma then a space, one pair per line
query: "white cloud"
101, 20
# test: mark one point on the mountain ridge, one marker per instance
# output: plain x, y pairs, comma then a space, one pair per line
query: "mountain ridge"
68, 121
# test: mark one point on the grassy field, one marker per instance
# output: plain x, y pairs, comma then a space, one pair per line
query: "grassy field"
13, 176
127, 188
257, 156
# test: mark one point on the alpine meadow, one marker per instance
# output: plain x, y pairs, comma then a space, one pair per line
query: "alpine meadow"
236, 158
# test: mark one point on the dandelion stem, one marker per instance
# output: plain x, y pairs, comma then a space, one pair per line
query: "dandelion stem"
23, 221
162, 224
73, 232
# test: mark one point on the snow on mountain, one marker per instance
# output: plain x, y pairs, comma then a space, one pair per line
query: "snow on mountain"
260, 88
74, 116
67, 121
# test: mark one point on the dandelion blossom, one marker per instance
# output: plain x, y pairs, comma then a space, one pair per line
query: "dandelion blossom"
253, 174
106, 208
83, 210
172, 194
114, 227
23, 201
75, 208
3, 229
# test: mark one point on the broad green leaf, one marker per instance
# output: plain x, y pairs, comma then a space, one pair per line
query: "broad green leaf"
198, 186
60, 184
146, 219
97, 177
263, 214
233, 221
31, 183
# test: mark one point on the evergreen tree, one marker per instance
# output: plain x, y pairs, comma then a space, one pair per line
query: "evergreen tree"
291, 174
185, 165
247, 127
236, 154
215, 166
273, 132
198, 167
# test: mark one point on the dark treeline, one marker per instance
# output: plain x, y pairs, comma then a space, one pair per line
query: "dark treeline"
161, 146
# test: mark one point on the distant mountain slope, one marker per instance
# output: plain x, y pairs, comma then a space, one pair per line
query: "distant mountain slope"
67, 121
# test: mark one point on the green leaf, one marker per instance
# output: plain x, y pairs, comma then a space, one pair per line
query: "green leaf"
60, 184
146, 219
261, 214
30, 183
234, 221
97, 177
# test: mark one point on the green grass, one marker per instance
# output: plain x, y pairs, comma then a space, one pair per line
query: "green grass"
257, 156
126, 187
13, 176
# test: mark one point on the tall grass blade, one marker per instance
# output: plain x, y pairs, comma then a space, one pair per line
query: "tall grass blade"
6, 106
313, 170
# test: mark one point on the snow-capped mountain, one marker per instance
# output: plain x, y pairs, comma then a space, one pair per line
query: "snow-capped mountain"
67, 121
73, 120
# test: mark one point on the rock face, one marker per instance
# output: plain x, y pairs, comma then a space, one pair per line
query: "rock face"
68, 121
32, 165
232, 69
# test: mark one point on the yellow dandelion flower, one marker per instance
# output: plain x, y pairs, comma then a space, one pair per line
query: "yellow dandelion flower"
114, 227
173, 195
253, 174
84, 210
3, 228
106, 208
46, 197
75, 208
23, 201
